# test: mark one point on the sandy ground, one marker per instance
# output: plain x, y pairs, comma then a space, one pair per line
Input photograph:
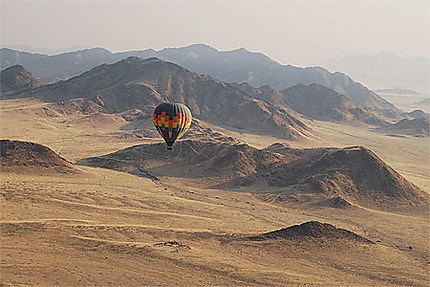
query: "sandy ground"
104, 228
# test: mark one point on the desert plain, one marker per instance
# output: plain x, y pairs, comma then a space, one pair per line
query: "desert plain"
100, 227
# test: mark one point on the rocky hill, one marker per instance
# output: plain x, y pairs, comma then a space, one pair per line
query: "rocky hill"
419, 127
416, 114
17, 78
190, 158
318, 102
355, 174
321, 103
311, 230
19, 156
229, 66
331, 177
135, 83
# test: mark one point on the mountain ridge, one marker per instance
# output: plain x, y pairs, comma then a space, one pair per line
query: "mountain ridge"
136, 83
238, 65
321, 103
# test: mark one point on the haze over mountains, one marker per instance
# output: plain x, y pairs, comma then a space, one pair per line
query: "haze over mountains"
282, 108
322, 103
385, 71
47, 51
229, 66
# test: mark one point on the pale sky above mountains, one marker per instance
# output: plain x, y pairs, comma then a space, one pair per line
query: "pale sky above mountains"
292, 32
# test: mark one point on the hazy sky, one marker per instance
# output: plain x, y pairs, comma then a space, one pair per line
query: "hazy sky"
291, 32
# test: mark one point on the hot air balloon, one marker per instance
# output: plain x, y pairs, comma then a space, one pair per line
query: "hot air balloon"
172, 120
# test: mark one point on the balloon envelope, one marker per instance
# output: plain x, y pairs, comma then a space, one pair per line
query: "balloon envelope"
172, 120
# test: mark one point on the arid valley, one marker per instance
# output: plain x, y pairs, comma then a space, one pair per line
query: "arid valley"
214, 143
74, 225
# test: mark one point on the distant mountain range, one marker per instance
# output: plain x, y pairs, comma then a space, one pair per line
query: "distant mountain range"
419, 127
425, 102
134, 86
397, 91
385, 70
47, 51
58, 67
317, 102
230, 66
321, 103
136, 83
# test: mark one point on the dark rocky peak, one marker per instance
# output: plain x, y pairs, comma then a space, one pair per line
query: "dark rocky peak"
312, 229
18, 78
